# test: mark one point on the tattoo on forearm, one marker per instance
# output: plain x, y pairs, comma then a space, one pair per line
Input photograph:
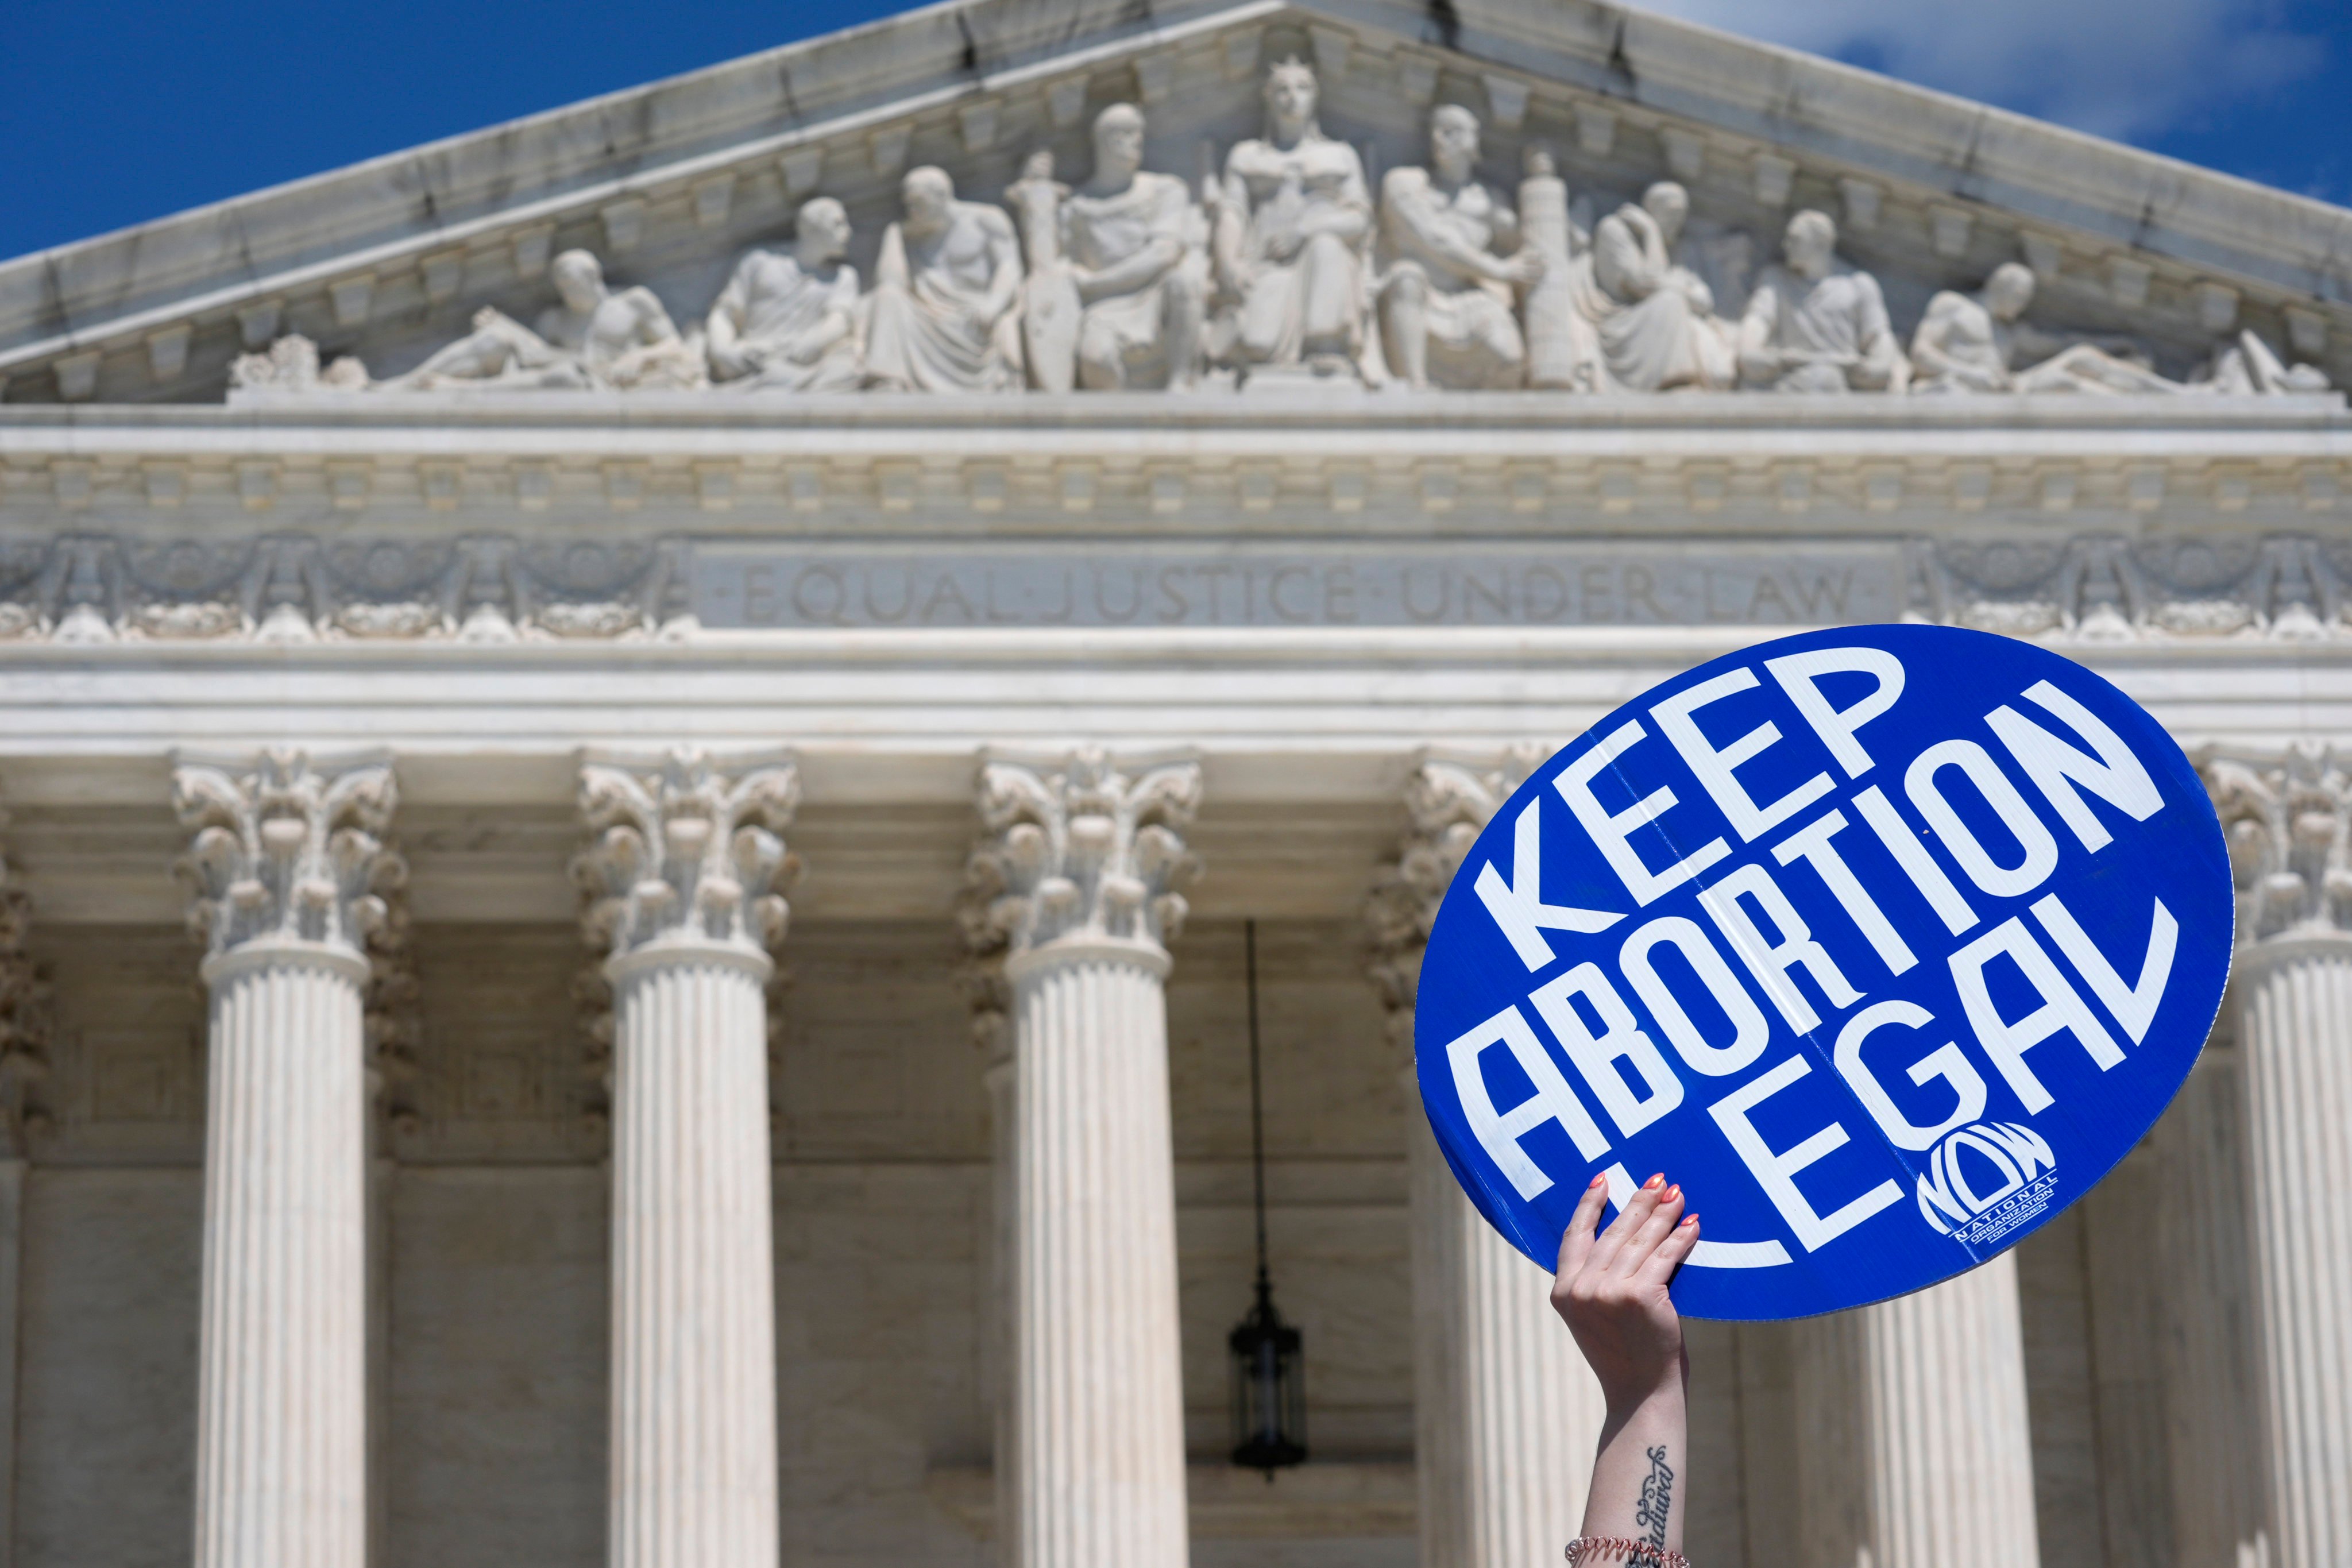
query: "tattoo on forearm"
1657, 1497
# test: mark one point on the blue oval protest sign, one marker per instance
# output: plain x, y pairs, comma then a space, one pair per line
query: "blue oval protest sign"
1887, 942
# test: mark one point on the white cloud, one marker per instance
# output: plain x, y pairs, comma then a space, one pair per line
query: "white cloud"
2116, 68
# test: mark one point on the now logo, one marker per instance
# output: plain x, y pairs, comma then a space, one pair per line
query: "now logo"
2000, 1157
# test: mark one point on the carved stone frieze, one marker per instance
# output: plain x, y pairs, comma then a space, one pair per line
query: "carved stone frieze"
2287, 816
293, 588
288, 850
656, 220
2106, 588
96, 589
1285, 266
686, 850
1082, 853
1448, 802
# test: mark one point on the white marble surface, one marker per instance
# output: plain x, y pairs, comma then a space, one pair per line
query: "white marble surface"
706, 161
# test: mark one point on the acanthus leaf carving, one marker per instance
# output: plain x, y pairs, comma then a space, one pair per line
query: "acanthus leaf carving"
685, 851
2287, 818
287, 850
1081, 852
1448, 802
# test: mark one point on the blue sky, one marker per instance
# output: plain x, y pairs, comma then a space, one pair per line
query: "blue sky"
114, 111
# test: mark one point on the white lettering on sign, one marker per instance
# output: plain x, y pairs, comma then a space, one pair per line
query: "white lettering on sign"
1499, 1132
1714, 768
1775, 1171
1812, 843
1518, 905
1966, 830
1611, 832
1596, 1055
1945, 1061
2114, 775
2062, 1009
1750, 1032
1798, 674
2135, 1005
1909, 853
2038, 850
1771, 960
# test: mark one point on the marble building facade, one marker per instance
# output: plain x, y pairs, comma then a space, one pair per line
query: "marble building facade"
716, 673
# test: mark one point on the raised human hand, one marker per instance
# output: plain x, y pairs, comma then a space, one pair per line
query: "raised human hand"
1610, 1287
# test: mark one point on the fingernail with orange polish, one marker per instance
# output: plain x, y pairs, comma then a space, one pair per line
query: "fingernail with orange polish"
1675, 1192
1657, 1180
1594, 1183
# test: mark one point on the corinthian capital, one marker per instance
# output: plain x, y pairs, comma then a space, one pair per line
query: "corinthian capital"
685, 853
1081, 856
2288, 818
288, 851
1448, 802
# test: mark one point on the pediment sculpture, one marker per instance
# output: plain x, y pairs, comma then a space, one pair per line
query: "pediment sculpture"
793, 320
1284, 266
1453, 264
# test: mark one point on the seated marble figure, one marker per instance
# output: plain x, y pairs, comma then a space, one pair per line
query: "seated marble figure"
1975, 343
1815, 324
1118, 275
1649, 318
944, 316
1292, 219
594, 338
790, 321
1452, 265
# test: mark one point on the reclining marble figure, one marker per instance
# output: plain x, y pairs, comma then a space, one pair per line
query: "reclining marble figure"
941, 315
1972, 342
789, 319
1451, 264
1292, 218
1653, 321
596, 337
1815, 324
1131, 242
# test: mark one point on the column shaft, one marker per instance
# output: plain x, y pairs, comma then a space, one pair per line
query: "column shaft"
682, 882
1099, 1411
2212, 1377
281, 1432
2297, 1037
693, 1355
1003, 1264
1506, 1416
1916, 1448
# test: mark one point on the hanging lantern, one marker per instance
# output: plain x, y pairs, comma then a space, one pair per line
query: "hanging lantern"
1269, 1365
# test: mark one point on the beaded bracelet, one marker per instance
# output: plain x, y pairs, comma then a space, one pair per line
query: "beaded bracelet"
1635, 1551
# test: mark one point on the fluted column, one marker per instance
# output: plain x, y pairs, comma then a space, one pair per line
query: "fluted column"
2286, 817
1913, 1445
683, 882
1506, 1416
1080, 876
991, 996
287, 867
2211, 1373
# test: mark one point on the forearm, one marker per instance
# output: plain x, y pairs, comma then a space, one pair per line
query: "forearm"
1639, 1475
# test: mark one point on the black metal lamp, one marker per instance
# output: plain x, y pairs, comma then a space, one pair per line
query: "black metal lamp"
1269, 1365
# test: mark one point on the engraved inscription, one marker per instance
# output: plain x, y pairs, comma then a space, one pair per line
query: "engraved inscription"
740, 586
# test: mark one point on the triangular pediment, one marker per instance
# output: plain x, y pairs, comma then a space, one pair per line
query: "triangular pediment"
669, 183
